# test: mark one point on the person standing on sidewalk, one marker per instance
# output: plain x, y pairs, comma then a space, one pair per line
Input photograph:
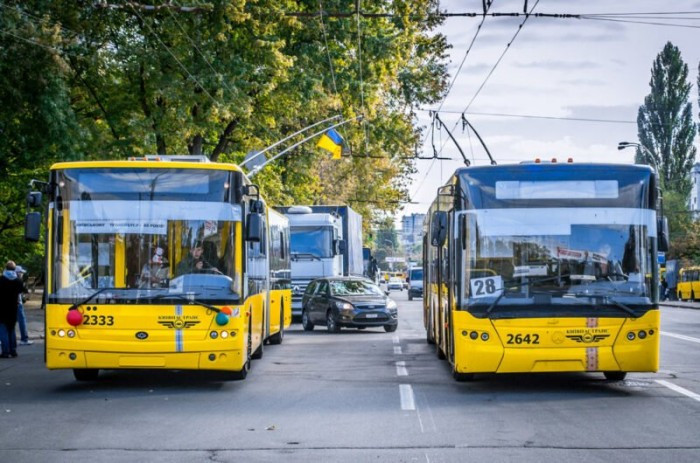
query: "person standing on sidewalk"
10, 291
21, 318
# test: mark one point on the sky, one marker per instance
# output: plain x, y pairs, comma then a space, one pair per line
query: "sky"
572, 68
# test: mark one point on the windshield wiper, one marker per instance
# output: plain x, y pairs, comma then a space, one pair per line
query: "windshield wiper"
304, 254
90, 297
608, 302
186, 299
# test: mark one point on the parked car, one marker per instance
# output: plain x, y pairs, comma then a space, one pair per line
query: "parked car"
415, 283
394, 283
349, 302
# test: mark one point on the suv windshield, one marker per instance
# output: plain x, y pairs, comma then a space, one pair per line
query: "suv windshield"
354, 287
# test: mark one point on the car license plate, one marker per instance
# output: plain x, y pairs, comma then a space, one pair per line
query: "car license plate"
372, 315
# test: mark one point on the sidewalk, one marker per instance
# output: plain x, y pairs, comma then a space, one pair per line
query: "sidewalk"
681, 305
35, 315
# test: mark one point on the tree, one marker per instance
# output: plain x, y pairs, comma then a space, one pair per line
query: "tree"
664, 122
227, 77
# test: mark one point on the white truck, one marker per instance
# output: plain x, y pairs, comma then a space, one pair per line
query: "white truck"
325, 241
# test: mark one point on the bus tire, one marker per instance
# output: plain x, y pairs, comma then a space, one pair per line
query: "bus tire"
615, 375
462, 377
243, 372
86, 374
278, 337
428, 336
258, 354
692, 296
305, 322
439, 352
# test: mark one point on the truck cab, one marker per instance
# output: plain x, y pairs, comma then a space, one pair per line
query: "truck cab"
316, 249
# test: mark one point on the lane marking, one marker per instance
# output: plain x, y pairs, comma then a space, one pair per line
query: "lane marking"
396, 339
407, 400
680, 390
397, 350
681, 336
401, 369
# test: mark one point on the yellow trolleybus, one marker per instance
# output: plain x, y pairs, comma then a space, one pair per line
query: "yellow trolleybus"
688, 284
544, 268
161, 263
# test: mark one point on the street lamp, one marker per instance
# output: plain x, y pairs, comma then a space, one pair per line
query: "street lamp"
626, 144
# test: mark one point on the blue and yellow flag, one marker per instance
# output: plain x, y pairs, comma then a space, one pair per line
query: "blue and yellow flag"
332, 142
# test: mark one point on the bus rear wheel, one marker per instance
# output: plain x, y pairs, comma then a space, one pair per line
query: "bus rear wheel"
462, 377
615, 375
86, 374
278, 337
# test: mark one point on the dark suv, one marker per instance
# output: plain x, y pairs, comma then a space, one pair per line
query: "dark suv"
347, 302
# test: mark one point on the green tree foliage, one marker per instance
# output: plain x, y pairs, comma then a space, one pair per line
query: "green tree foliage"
664, 122
100, 81
37, 123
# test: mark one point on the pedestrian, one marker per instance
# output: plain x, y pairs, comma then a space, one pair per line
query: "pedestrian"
10, 289
21, 318
664, 289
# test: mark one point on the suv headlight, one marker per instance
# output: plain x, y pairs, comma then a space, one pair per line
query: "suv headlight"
344, 306
391, 304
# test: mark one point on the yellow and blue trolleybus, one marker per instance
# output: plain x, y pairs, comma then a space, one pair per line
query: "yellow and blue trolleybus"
544, 268
160, 263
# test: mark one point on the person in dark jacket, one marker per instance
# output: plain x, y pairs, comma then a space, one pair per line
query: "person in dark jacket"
10, 289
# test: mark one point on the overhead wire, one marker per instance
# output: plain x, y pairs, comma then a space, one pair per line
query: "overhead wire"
362, 83
459, 69
493, 68
533, 116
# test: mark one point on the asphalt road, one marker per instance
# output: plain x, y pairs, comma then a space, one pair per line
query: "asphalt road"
355, 396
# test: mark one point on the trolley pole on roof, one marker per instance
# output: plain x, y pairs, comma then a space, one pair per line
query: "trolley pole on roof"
286, 150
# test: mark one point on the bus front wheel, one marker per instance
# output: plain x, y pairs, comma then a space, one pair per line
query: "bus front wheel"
615, 375
86, 374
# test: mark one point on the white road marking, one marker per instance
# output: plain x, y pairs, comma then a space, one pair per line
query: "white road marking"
681, 336
401, 369
407, 401
397, 350
396, 339
680, 390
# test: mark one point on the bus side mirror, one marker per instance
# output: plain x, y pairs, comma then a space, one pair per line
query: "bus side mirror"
34, 199
438, 228
254, 227
662, 234
32, 226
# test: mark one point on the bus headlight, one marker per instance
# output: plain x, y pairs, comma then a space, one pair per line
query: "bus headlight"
631, 336
484, 336
642, 334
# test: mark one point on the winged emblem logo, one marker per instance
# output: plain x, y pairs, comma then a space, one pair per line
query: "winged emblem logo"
587, 338
178, 323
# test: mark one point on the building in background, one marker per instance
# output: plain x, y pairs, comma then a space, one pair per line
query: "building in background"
411, 235
694, 199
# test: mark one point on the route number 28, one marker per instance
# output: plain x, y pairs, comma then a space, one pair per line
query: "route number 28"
486, 287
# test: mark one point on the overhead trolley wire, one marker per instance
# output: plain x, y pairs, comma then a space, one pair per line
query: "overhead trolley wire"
500, 58
459, 69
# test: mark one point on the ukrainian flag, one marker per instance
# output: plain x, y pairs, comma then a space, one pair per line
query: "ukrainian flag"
332, 142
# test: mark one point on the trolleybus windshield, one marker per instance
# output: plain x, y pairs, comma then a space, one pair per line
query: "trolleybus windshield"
139, 234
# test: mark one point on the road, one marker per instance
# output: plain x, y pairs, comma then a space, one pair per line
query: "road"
356, 396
